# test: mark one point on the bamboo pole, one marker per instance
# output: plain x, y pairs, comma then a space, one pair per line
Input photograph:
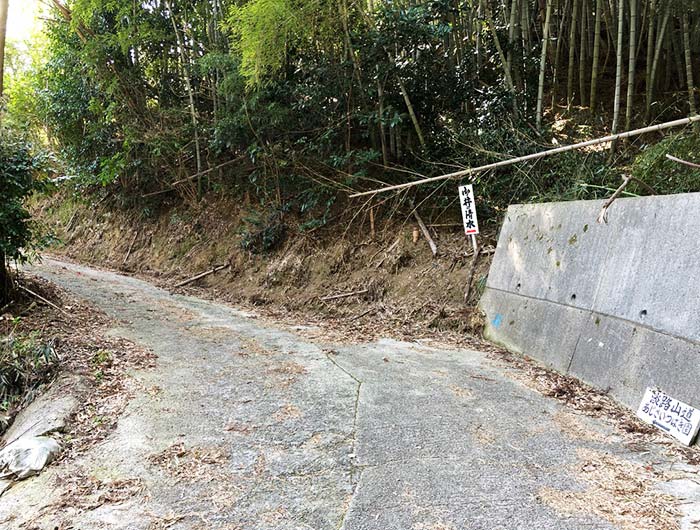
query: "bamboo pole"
4, 6
655, 61
535, 156
618, 70
681, 161
426, 233
543, 64
572, 56
499, 48
596, 55
631, 63
203, 274
689, 70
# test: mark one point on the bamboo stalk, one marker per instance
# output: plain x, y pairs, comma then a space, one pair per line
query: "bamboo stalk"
631, 63
583, 53
572, 51
426, 234
543, 64
684, 162
689, 70
190, 92
655, 61
4, 6
618, 69
192, 177
131, 246
535, 156
499, 48
202, 275
651, 27
596, 55
49, 302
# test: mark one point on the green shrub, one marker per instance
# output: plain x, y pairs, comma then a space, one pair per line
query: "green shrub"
667, 176
265, 234
17, 168
25, 363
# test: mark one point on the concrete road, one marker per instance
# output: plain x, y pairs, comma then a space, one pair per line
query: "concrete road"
244, 424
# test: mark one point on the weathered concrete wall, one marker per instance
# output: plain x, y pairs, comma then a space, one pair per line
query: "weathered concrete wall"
616, 305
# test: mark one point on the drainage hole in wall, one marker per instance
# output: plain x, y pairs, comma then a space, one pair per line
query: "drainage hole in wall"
573, 297
642, 313
517, 287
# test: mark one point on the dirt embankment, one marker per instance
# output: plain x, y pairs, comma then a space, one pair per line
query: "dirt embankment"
272, 262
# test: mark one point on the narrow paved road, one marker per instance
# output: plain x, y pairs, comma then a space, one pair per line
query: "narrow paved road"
243, 425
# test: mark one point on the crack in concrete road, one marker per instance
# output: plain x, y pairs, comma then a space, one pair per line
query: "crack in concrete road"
354, 469
385, 435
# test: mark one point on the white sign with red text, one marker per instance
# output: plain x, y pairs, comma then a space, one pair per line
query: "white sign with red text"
466, 201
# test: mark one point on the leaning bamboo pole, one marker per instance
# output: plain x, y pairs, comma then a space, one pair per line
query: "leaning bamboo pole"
535, 156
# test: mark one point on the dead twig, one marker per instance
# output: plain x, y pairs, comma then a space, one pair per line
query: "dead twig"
192, 177
202, 275
684, 162
131, 246
364, 313
426, 233
69, 224
626, 179
386, 254
49, 302
343, 295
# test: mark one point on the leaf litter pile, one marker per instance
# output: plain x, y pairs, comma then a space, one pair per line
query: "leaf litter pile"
98, 363
618, 491
80, 491
191, 464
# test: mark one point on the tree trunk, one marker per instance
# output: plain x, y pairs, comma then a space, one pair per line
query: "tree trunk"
543, 63
596, 54
689, 71
632, 64
3, 32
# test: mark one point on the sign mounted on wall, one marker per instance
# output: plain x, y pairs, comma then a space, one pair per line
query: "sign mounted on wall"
674, 417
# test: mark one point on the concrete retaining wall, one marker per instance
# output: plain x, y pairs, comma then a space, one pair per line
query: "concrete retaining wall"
616, 305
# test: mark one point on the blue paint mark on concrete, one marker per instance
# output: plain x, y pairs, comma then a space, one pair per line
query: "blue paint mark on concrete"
497, 320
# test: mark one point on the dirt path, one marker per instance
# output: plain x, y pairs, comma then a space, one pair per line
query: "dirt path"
244, 425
